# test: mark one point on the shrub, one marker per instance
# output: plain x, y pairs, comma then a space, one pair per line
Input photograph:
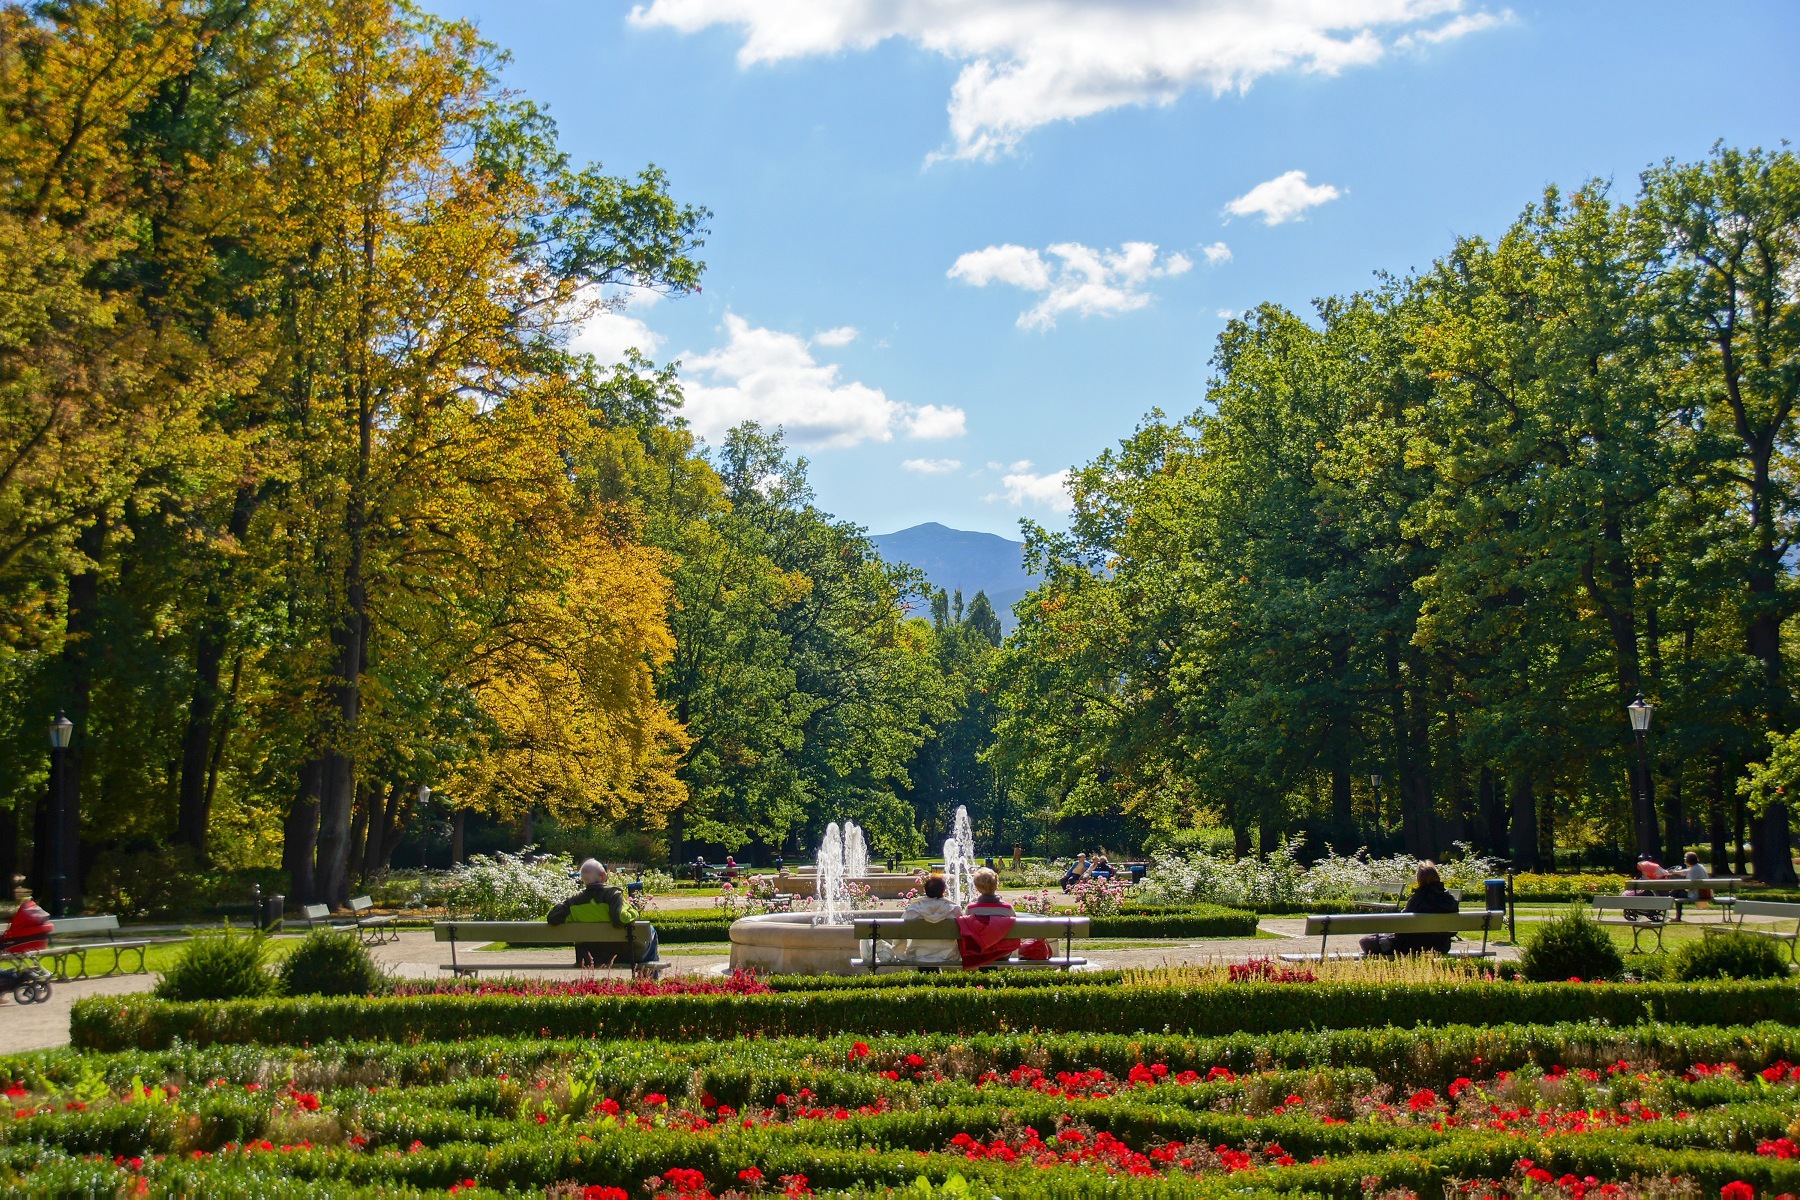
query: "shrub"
1571, 946
329, 963
1729, 956
219, 965
506, 887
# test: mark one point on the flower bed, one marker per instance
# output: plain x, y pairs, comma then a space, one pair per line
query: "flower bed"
1571, 1110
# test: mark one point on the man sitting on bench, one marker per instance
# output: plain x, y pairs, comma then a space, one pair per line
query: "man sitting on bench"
1428, 896
597, 902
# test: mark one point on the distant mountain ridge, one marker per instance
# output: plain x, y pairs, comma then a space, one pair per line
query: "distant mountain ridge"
962, 558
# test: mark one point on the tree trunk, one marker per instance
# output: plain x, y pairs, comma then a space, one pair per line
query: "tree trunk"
394, 818
1523, 833
337, 781
300, 834
1547, 831
1419, 823
1675, 820
1773, 848
456, 838
1740, 835
77, 660
9, 852
1494, 817
1715, 818
193, 795
1343, 819
358, 849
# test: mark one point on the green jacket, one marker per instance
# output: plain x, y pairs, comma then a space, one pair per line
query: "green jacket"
595, 902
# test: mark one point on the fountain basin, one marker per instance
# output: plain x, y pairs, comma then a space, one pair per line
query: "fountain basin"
790, 944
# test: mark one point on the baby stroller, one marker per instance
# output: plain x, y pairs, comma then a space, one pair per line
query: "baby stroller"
20, 974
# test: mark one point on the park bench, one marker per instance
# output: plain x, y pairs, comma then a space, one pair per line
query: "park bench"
1785, 913
1379, 897
873, 930
371, 927
318, 916
88, 934
627, 939
1323, 925
1640, 912
1726, 884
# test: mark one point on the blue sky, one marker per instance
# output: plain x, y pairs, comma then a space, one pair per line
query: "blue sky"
962, 245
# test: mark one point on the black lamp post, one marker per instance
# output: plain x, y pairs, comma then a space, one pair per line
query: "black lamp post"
1643, 819
61, 825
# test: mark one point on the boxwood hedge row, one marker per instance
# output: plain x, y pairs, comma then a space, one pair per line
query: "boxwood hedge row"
121, 1022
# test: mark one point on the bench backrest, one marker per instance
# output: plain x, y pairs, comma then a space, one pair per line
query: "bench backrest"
939, 931
539, 933
1321, 924
1636, 903
316, 912
361, 904
84, 926
1781, 910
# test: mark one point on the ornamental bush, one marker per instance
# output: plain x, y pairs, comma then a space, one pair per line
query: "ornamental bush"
1729, 956
219, 965
1572, 946
331, 963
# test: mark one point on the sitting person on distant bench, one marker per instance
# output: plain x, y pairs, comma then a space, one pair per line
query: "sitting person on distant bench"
1076, 873
597, 902
985, 924
932, 906
1428, 897
1696, 872
1102, 868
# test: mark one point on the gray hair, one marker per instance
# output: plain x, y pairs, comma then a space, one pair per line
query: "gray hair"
593, 871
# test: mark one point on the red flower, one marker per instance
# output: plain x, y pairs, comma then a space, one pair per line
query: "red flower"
1737, 1191
750, 1175
859, 1050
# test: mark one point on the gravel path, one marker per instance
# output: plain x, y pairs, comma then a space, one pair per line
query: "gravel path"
415, 955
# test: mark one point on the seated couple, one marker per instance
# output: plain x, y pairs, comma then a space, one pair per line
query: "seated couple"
598, 902
981, 929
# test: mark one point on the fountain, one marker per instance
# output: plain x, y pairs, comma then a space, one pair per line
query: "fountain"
823, 942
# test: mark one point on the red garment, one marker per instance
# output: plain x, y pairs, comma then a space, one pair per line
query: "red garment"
29, 930
981, 935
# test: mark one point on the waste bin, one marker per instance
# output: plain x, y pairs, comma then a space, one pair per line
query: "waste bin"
1496, 895
1138, 871
269, 918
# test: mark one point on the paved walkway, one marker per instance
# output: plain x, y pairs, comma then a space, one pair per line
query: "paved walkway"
415, 955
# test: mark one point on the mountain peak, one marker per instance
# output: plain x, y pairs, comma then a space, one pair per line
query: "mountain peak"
962, 558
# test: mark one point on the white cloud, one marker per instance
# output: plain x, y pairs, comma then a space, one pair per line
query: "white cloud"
935, 422
1227, 314
1081, 280
771, 377
611, 331
1049, 490
1216, 253
1283, 198
931, 466
1026, 63
843, 335
1455, 27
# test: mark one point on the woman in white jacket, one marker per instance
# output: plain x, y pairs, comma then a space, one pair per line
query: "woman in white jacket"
933, 907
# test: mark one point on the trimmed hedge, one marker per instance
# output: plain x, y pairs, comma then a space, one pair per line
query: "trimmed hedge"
121, 1022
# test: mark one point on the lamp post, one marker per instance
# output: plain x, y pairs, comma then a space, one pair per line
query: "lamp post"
1375, 783
60, 825
1639, 712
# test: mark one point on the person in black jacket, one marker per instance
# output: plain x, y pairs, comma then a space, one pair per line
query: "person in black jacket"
1428, 896
598, 902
